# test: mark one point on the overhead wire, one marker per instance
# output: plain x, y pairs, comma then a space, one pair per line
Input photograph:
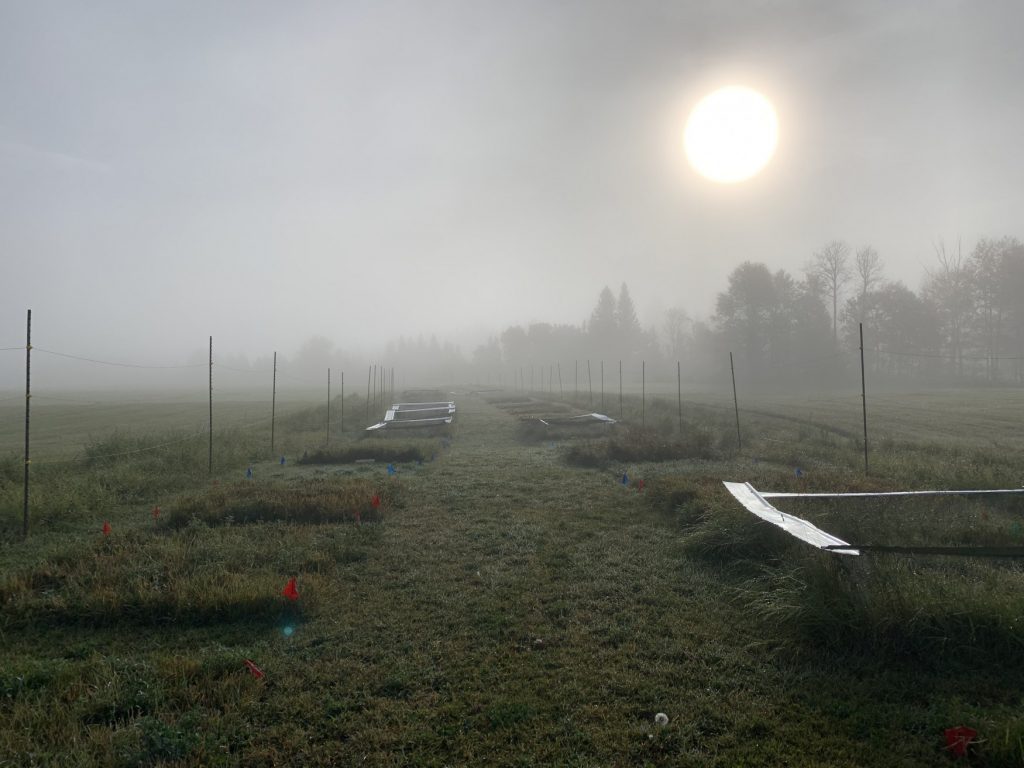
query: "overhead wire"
116, 365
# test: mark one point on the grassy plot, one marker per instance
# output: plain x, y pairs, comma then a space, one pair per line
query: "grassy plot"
511, 610
312, 501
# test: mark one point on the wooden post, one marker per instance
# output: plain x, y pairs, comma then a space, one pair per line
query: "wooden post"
28, 411
209, 460
561, 392
328, 407
620, 390
602, 386
343, 401
679, 395
864, 398
273, 406
375, 386
736, 403
369, 369
576, 383
590, 385
643, 394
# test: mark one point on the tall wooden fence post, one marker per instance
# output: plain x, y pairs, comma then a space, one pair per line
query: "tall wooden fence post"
28, 412
209, 457
620, 390
590, 386
643, 394
273, 406
864, 398
736, 403
343, 401
369, 370
328, 407
679, 395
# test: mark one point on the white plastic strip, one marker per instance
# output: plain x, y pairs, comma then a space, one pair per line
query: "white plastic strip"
787, 495
748, 496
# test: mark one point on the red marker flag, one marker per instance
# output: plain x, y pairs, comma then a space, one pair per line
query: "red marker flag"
290, 591
959, 738
359, 518
253, 669
106, 528
375, 501
640, 486
156, 512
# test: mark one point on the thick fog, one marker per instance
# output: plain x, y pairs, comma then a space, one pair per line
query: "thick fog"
268, 172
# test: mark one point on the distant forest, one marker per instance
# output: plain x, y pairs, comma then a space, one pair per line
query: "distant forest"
966, 325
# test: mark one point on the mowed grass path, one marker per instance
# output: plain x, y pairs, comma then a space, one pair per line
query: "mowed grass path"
513, 611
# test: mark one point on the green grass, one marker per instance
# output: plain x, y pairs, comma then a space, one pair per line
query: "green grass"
418, 450
508, 608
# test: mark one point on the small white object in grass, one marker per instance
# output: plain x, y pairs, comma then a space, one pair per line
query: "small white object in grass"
661, 718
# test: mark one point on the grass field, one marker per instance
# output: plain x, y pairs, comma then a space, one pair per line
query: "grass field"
502, 601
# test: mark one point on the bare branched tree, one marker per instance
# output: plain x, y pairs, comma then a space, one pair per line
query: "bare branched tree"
831, 266
949, 290
869, 269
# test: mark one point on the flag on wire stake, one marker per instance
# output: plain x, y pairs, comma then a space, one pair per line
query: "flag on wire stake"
640, 486
391, 469
156, 512
282, 461
106, 528
798, 472
625, 479
248, 473
375, 501
959, 739
290, 590
253, 669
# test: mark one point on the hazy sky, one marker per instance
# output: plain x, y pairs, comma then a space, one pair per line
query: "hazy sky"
265, 171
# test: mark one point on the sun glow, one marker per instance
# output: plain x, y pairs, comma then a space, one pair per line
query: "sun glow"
731, 134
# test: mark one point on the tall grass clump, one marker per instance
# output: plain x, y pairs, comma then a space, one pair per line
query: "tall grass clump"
920, 606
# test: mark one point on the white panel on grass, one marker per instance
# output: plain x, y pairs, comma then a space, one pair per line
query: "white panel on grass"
748, 496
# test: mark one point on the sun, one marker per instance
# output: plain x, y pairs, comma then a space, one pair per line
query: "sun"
731, 134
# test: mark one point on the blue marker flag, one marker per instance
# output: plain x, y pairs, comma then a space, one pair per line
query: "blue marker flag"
799, 472
248, 473
391, 469
625, 479
282, 461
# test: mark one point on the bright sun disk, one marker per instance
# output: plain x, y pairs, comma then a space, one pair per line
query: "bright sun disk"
731, 134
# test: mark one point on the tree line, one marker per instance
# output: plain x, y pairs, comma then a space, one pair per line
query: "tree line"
965, 324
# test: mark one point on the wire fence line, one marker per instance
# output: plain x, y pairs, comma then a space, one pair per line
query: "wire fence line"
116, 364
940, 356
228, 429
